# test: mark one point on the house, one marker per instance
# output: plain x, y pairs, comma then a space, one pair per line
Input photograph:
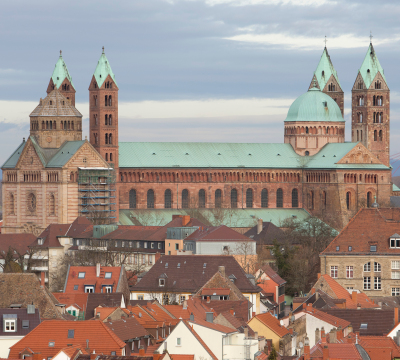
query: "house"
177, 277
272, 286
17, 322
68, 353
96, 279
377, 347
25, 289
50, 337
366, 253
14, 251
207, 340
270, 327
75, 304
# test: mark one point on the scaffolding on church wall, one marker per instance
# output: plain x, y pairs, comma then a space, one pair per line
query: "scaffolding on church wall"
97, 194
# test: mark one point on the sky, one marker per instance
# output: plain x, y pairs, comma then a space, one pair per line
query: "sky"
192, 70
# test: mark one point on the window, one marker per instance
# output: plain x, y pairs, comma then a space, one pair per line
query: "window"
202, 198
394, 243
295, 198
372, 248
25, 324
377, 283
337, 248
150, 199
40, 241
334, 272
51, 343
113, 353
81, 275
279, 198
178, 341
349, 272
377, 267
140, 297
233, 198
10, 325
167, 199
367, 266
89, 289
395, 274
132, 199
363, 326
107, 275
348, 200
152, 245
176, 246
350, 248
396, 265
218, 198
71, 334
159, 246
32, 203
185, 199
161, 282
249, 198
107, 289
264, 198
367, 283
182, 298
395, 291
75, 287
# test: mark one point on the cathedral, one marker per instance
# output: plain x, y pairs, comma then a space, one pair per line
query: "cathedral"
54, 175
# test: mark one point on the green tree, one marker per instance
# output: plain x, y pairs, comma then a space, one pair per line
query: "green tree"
273, 355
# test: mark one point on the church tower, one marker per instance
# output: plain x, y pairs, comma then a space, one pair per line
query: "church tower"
371, 108
327, 80
62, 80
103, 112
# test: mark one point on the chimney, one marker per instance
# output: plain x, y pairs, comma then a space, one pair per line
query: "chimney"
97, 269
184, 305
325, 353
156, 355
339, 333
246, 332
185, 220
354, 296
232, 311
42, 279
349, 329
332, 336
317, 335
191, 318
141, 351
256, 335
396, 316
208, 299
313, 291
259, 226
323, 337
157, 256
93, 355
306, 349
210, 317
221, 269
358, 306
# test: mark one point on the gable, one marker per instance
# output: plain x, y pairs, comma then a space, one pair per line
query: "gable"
333, 81
29, 159
359, 155
379, 77
86, 156
314, 79
220, 282
359, 79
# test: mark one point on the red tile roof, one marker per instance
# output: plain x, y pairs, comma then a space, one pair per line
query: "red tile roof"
181, 357
127, 328
336, 351
100, 337
217, 233
330, 319
213, 326
18, 242
215, 291
240, 308
79, 300
272, 275
272, 323
178, 311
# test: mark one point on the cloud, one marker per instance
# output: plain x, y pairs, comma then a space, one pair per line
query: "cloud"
269, 2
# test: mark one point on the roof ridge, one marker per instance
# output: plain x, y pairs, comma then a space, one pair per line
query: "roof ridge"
199, 339
113, 335
61, 68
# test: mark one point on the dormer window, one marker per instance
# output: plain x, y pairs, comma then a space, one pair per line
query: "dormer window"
395, 241
89, 289
161, 282
9, 323
40, 241
337, 248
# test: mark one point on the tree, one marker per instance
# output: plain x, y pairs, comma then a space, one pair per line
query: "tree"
273, 355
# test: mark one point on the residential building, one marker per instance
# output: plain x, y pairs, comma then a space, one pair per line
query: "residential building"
366, 253
17, 322
177, 277
16, 245
75, 304
96, 279
272, 284
50, 337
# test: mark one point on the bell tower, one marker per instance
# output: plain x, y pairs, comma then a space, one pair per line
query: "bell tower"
371, 108
103, 112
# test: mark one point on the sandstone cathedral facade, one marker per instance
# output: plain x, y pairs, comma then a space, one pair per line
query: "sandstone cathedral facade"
54, 175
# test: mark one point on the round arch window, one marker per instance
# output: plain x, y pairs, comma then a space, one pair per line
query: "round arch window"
32, 202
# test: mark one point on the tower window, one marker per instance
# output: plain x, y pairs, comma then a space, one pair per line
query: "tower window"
106, 100
295, 198
279, 198
348, 200
249, 198
233, 198
202, 198
218, 198
185, 199
111, 157
264, 198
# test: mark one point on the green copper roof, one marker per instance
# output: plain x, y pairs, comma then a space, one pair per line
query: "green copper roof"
64, 153
103, 69
370, 67
11, 162
60, 73
232, 155
395, 187
325, 70
314, 105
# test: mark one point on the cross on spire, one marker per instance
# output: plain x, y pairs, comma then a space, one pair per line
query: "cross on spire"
325, 41
370, 37
103, 49
60, 53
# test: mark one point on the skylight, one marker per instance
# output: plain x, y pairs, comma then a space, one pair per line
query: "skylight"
107, 275
364, 326
81, 275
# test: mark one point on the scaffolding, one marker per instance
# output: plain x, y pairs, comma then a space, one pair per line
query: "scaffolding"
97, 194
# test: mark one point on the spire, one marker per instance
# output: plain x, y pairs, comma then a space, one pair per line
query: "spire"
325, 69
103, 69
371, 67
61, 72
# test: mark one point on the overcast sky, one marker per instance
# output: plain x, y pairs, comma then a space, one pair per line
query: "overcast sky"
192, 70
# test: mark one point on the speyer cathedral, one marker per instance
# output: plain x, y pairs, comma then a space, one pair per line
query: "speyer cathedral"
54, 175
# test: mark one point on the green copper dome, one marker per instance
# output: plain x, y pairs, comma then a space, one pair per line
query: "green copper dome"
314, 105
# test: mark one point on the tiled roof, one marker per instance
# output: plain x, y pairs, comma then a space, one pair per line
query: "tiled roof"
213, 326
370, 226
272, 323
91, 278
55, 104
371, 67
17, 288
21, 315
103, 299
273, 275
382, 346
50, 234
99, 336
103, 312
268, 234
217, 233
178, 311
329, 318
337, 351
141, 315
240, 308
18, 242
193, 273
127, 328
379, 322
68, 299
325, 70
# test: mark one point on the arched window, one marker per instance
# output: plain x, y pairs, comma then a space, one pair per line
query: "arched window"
132, 199
279, 198
367, 267
109, 120
306, 129
369, 198
106, 100
380, 135
375, 135
323, 200
168, 199
377, 267
202, 198
52, 205
295, 198
109, 101
310, 198
264, 198
31, 203
150, 199
348, 200
111, 157
249, 198
360, 117
105, 119
95, 120
106, 156
185, 199
12, 204
110, 139
233, 198
218, 198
